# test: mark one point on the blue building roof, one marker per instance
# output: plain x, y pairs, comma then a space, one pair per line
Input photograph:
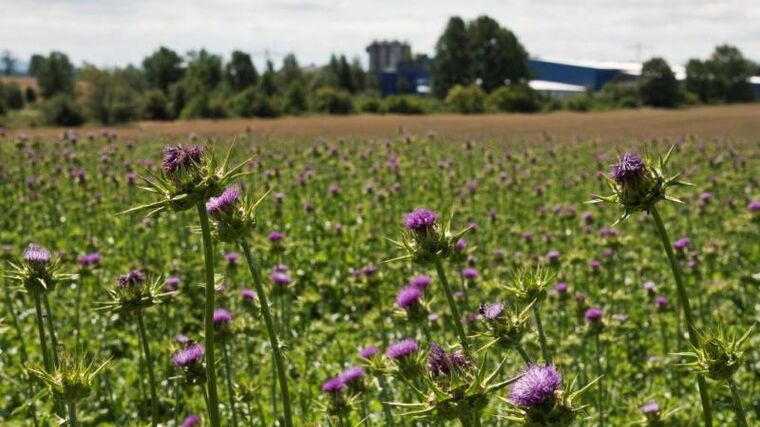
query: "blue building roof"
574, 74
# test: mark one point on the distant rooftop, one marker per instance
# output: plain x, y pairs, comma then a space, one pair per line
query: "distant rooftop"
628, 67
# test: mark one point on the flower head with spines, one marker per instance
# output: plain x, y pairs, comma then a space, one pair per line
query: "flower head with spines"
38, 272
71, 380
189, 176
506, 324
719, 355
134, 292
638, 183
425, 238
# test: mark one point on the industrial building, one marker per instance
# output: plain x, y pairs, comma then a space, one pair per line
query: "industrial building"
397, 70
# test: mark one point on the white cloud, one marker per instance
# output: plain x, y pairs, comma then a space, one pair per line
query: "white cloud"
110, 32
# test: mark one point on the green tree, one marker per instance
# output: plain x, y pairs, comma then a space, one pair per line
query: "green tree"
497, 56
267, 84
35, 64
12, 96
514, 98
296, 100
290, 72
9, 63
240, 71
700, 81
204, 72
658, 86
62, 110
55, 75
163, 68
110, 97
451, 65
732, 72
333, 100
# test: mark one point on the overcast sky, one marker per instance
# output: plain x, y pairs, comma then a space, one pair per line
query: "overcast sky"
111, 32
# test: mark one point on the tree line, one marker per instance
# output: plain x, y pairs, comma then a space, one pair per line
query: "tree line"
479, 66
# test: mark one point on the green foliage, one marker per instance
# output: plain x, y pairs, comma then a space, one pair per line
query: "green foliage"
658, 86
404, 104
11, 96
516, 98
62, 110
296, 98
581, 102
370, 104
333, 101
253, 103
163, 68
30, 95
110, 98
156, 106
240, 71
452, 58
204, 72
55, 74
466, 99
724, 77
617, 95
204, 105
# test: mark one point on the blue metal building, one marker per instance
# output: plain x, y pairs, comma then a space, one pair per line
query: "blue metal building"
589, 76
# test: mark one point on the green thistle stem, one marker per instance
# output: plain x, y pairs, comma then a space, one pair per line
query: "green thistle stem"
541, 336
683, 299
230, 388
276, 350
457, 318
41, 329
599, 373
51, 329
73, 415
149, 365
741, 418
208, 251
523, 354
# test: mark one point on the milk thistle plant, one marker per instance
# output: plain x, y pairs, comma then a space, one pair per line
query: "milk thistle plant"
427, 241
448, 385
234, 220
69, 382
638, 185
130, 297
189, 177
529, 287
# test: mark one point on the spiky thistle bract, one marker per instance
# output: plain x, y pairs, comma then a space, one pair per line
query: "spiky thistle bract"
71, 381
719, 354
637, 184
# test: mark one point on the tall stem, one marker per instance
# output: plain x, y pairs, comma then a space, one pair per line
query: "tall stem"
683, 299
523, 354
741, 419
230, 388
541, 336
457, 318
72, 415
273, 340
599, 373
208, 252
149, 364
51, 329
41, 329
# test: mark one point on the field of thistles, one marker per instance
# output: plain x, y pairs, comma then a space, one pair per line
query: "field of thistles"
408, 282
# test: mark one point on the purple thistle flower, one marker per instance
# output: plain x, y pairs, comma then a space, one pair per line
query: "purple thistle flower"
629, 168
491, 311
420, 219
351, 374
408, 296
132, 278
188, 356
593, 314
217, 205
222, 316
402, 349
231, 258
537, 384
90, 259
438, 360
561, 288
470, 273
191, 420
178, 157
552, 256
171, 284
368, 352
36, 256
650, 408
661, 301
333, 385
182, 339
247, 294
682, 243
460, 244
595, 264
280, 278
421, 281
276, 236
754, 206
649, 286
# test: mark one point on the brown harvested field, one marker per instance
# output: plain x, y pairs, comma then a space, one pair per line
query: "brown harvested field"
737, 122
22, 81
